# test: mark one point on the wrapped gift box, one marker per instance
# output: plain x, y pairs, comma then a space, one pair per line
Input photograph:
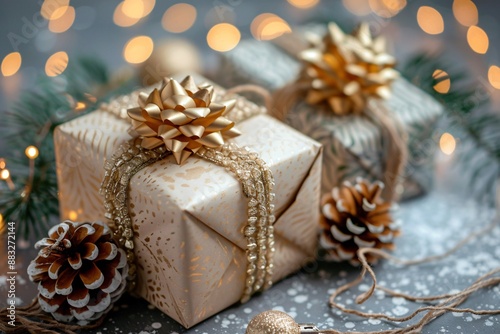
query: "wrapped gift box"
188, 219
353, 145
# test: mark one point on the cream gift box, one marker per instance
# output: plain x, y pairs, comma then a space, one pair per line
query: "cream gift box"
353, 145
188, 219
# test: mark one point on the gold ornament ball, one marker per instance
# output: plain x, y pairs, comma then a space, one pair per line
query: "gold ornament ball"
169, 57
273, 322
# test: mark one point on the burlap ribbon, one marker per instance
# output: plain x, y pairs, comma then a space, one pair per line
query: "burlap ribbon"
348, 74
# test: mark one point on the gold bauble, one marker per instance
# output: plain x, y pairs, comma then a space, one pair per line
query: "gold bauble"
273, 322
169, 57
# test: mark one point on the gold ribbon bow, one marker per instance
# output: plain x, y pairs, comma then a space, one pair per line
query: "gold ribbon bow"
350, 74
182, 117
346, 70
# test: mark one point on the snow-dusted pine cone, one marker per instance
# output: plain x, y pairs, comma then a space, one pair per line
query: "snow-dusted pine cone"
80, 271
355, 216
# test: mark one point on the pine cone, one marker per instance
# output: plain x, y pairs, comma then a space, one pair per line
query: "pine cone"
80, 271
355, 216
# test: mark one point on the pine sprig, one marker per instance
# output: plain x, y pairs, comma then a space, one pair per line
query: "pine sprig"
31, 121
468, 116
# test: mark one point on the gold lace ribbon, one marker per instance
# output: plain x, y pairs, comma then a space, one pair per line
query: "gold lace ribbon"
253, 173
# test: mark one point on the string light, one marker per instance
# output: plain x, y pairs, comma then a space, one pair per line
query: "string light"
133, 8
122, 20
303, 4
430, 20
56, 64
494, 76
62, 19
223, 37
447, 143
73, 215
444, 84
31, 152
80, 106
4, 174
11, 64
49, 8
138, 49
465, 12
179, 17
268, 26
478, 39
2, 163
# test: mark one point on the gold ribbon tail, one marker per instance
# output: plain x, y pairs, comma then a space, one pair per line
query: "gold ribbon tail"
396, 147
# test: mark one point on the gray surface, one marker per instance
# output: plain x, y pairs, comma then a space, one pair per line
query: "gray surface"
431, 225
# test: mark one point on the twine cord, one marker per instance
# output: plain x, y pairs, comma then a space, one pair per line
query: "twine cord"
448, 302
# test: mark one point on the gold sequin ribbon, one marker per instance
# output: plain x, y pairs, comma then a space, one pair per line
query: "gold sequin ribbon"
184, 120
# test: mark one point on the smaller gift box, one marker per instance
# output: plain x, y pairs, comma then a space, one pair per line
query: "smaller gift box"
354, 145
188, 220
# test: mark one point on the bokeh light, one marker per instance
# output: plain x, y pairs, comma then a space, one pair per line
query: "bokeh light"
73, 215
494, 76
133, 8
223, 37
357, 7
80, 106
478, 39
56, 64
122, 20
447, 143
49, 8
137, 9
11, 64
179, 17
303, 4
269, 26
31, 152
444, 84
59, 23
138, 49
387, 8
465, 12
4, 174
430, 20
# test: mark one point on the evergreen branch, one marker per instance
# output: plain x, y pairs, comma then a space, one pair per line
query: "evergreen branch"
31, 121
466, 108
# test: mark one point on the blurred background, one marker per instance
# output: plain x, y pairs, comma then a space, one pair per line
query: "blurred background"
40, 39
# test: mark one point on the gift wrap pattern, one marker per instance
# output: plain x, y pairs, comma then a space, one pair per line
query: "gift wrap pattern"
353, 145
188, 219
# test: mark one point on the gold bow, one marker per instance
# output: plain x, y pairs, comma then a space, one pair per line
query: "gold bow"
182, 117
345, 70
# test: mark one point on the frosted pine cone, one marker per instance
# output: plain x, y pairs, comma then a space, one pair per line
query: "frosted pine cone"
355, 216
80, 271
